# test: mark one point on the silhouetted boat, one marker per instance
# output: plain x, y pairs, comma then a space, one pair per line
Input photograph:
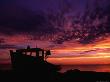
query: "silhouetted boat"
31, 59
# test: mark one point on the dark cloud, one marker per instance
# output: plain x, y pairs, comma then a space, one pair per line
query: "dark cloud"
2, 40
91, 26
7, 46
89, 51
14, 19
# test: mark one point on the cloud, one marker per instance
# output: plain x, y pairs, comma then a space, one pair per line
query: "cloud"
89, 52
15, 20
8, 46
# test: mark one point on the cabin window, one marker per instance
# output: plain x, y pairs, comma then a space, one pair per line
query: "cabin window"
40, 53
33, 53
28, 53
24, 53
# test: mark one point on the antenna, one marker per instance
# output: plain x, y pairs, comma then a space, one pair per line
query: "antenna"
36, 46
28, 47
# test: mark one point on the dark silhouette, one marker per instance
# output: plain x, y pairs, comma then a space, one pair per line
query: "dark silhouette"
30, 65
23, 58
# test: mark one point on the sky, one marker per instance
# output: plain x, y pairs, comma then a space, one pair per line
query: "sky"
76, 31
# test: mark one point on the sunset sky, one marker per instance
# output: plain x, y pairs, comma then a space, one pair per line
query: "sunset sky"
76, 31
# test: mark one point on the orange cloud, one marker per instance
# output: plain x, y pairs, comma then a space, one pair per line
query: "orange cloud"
96, 53
80, 60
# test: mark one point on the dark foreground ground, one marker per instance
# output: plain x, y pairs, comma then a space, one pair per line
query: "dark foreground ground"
29, 69
49, 76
